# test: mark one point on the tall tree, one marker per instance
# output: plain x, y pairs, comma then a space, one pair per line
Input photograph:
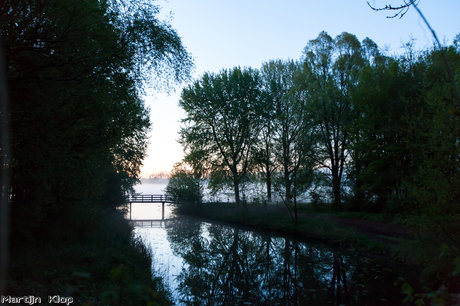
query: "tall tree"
391, 107
264, 154
277, 81
373, 58
331, 68
434, 188
78, 124
223, 123
290, 127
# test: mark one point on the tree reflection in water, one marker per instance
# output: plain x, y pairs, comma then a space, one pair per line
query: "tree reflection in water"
231, 266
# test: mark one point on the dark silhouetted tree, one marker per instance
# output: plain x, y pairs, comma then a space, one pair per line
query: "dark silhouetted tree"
223, 123
78, 124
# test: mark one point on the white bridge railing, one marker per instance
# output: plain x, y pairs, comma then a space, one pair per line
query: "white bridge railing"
150, 198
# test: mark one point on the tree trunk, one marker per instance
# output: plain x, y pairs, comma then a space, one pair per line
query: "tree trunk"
295, 204
267, 166
269, 185
359, 195
286, 272
287, 184
338, 298
336, 188
236, 187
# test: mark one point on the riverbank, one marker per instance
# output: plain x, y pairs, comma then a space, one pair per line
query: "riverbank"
111, 267
438, 265
382, 239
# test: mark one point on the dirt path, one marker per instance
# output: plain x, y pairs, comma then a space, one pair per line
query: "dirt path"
386, 232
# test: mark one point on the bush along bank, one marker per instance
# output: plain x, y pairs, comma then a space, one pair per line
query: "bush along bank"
108, 267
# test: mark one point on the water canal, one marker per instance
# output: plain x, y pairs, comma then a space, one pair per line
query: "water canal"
207, 263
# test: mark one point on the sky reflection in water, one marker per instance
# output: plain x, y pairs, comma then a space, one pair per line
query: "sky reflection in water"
213, 264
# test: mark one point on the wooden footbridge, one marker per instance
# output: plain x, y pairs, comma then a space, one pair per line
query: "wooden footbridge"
150, 198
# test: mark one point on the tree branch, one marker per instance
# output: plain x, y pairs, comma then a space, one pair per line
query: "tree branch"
401, 10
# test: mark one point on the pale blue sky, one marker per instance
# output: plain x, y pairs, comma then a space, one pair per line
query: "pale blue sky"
223, 34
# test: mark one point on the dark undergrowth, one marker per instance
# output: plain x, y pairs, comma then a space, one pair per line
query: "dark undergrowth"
108, 267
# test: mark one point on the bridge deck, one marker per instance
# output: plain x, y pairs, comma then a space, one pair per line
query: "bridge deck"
150, 198
152, 223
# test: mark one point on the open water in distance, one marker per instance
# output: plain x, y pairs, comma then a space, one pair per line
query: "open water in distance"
206, 263
250, 192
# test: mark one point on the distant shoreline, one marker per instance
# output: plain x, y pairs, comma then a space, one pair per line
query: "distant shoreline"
154, 181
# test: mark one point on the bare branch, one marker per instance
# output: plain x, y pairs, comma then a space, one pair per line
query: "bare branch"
401, 9
444, 57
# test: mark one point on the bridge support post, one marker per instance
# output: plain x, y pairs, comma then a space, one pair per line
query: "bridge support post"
162, 210
130, 210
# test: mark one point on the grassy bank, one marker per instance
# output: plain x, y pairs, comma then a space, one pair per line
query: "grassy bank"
319, 226
108, 267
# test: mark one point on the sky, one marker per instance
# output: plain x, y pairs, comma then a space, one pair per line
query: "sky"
223, 34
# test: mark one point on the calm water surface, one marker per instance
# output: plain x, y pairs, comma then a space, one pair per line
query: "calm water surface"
213, 264
206, 263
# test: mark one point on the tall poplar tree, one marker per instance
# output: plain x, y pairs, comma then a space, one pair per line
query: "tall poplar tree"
331, 70
222, 124
288, 130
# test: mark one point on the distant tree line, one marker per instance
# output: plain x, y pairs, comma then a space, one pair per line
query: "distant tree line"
379, 133
159, 175
79, 127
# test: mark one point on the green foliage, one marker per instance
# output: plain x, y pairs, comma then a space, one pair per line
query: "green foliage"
441, 296
384, 134
329, 78
184, 187
288, 137
406, 139
434, 189
222, 124
158, 56
126, 291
